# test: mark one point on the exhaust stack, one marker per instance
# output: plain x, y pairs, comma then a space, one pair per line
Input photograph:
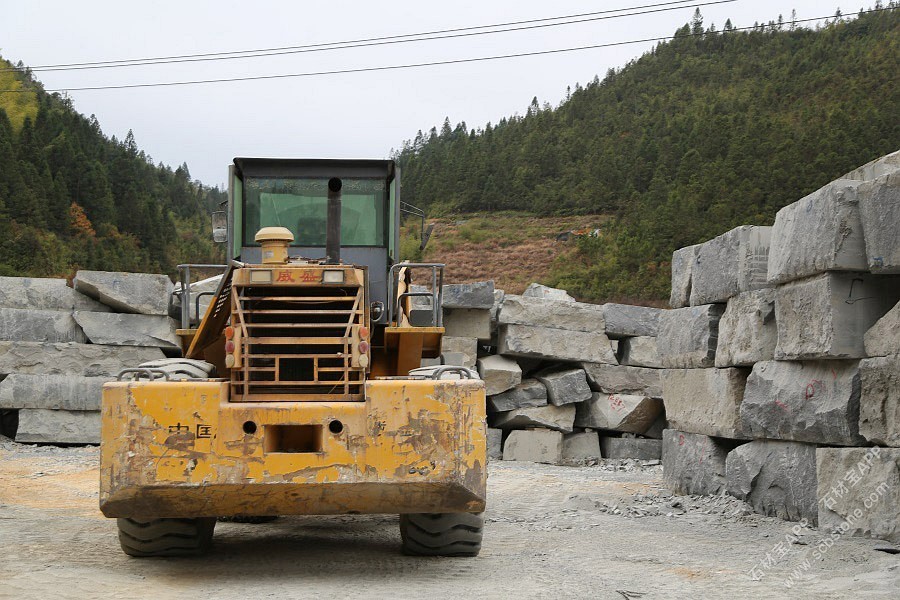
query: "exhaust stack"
333, 227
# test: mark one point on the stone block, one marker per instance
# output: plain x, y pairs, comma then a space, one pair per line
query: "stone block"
879, 211
682, 267
635, 448
468, 323
619, 412
776, 478
142, 293
468, 347
876, 168
566, 386
859, 491
38, 293
692, 463
555, 314
534, 445
581, 446
705, 401
499, 296
879, 406
617, 379
729, 264
453, 358
530, 392
688, 336
827, 316
39, 426
56, 392
499, 374
558, 418
21, 325
495, 443
816, 402
88, 360
883, 338
626, 320
536, 290
640, 351
555, 344
120, 329
747, 330
821, 232
478, 295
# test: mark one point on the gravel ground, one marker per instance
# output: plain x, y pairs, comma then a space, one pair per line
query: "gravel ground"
609, 530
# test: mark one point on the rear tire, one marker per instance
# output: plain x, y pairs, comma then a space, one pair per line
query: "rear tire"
182, 368
442, 534
166, 537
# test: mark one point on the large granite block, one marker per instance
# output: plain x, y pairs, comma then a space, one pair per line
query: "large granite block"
619, 412
705, 401
581, 446
530, 392
682, 270
536, 290
729, 264
23, 325
37, 293
625, 320
876, 168
879, 210
534, 445
499, 374
555, 314
56, 392
747, 330
555, 344
39, 426
88, 360
640, 351
558, 418
634, 448
688, 336
883, 338
693, 464
879, 405
617, 379
119, 329
565, 386
468, 347
478, 295
468, 323
142, 293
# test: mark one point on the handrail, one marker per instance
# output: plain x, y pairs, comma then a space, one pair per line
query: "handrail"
437, 290
184, 273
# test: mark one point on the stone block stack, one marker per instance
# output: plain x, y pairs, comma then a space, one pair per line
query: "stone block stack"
782, 357
59, 344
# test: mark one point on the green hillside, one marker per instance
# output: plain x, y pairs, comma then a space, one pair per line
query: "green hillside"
72, 198
709, 131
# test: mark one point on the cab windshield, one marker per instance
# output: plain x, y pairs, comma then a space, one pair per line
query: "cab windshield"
301, 205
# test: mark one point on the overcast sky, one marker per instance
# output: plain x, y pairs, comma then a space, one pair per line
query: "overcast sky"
335, 116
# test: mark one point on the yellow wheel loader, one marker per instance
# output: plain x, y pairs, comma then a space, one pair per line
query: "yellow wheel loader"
300, 391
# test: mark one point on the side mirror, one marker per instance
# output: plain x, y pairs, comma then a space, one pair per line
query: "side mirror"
219, 227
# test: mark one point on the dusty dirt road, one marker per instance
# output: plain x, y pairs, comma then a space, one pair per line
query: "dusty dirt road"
559, 532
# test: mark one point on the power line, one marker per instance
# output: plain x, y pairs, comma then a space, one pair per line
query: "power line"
423, 64
387, 40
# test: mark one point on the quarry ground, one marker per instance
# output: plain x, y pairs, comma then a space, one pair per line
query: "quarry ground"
603, 531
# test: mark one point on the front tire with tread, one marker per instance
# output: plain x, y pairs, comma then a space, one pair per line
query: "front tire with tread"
166, 537
442, 534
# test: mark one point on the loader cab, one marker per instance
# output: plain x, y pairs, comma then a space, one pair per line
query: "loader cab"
292, 193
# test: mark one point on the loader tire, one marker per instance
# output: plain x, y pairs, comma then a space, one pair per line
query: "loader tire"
166, 537
442, 534
182, 368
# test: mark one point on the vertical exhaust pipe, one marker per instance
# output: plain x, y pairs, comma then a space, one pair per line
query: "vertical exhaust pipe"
333, 228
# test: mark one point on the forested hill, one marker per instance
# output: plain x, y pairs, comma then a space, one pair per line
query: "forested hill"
72, 198
706, 132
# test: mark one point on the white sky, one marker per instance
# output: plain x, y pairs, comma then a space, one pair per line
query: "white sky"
337, 116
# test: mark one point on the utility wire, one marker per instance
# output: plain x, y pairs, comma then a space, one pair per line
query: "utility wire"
385, 40
423, 64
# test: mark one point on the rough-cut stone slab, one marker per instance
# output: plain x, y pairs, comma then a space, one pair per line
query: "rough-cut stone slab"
655, 431
729, 264
128, 330
143, 293
468, 295
23, 325
619, 412
682, 268
827, 316
876, 168
705, 401
499, 374
566, 386
203, 286
468, 347
534, 445
559, 418
879, 211
536, 290
626, 320
688, 336
821, 232
38, 426
530, 392
616, 379
556, 314
879, 406
693, 464
89, 360
816, 401
640, 351
581, 446
747, 330
57, 392
555, 344
468, 323
883, 338
859, 491
776, 478
494, 443
499, 296
635, 448
37, 293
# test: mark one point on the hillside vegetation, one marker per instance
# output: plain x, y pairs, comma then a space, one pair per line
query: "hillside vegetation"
706, 132
72, 198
